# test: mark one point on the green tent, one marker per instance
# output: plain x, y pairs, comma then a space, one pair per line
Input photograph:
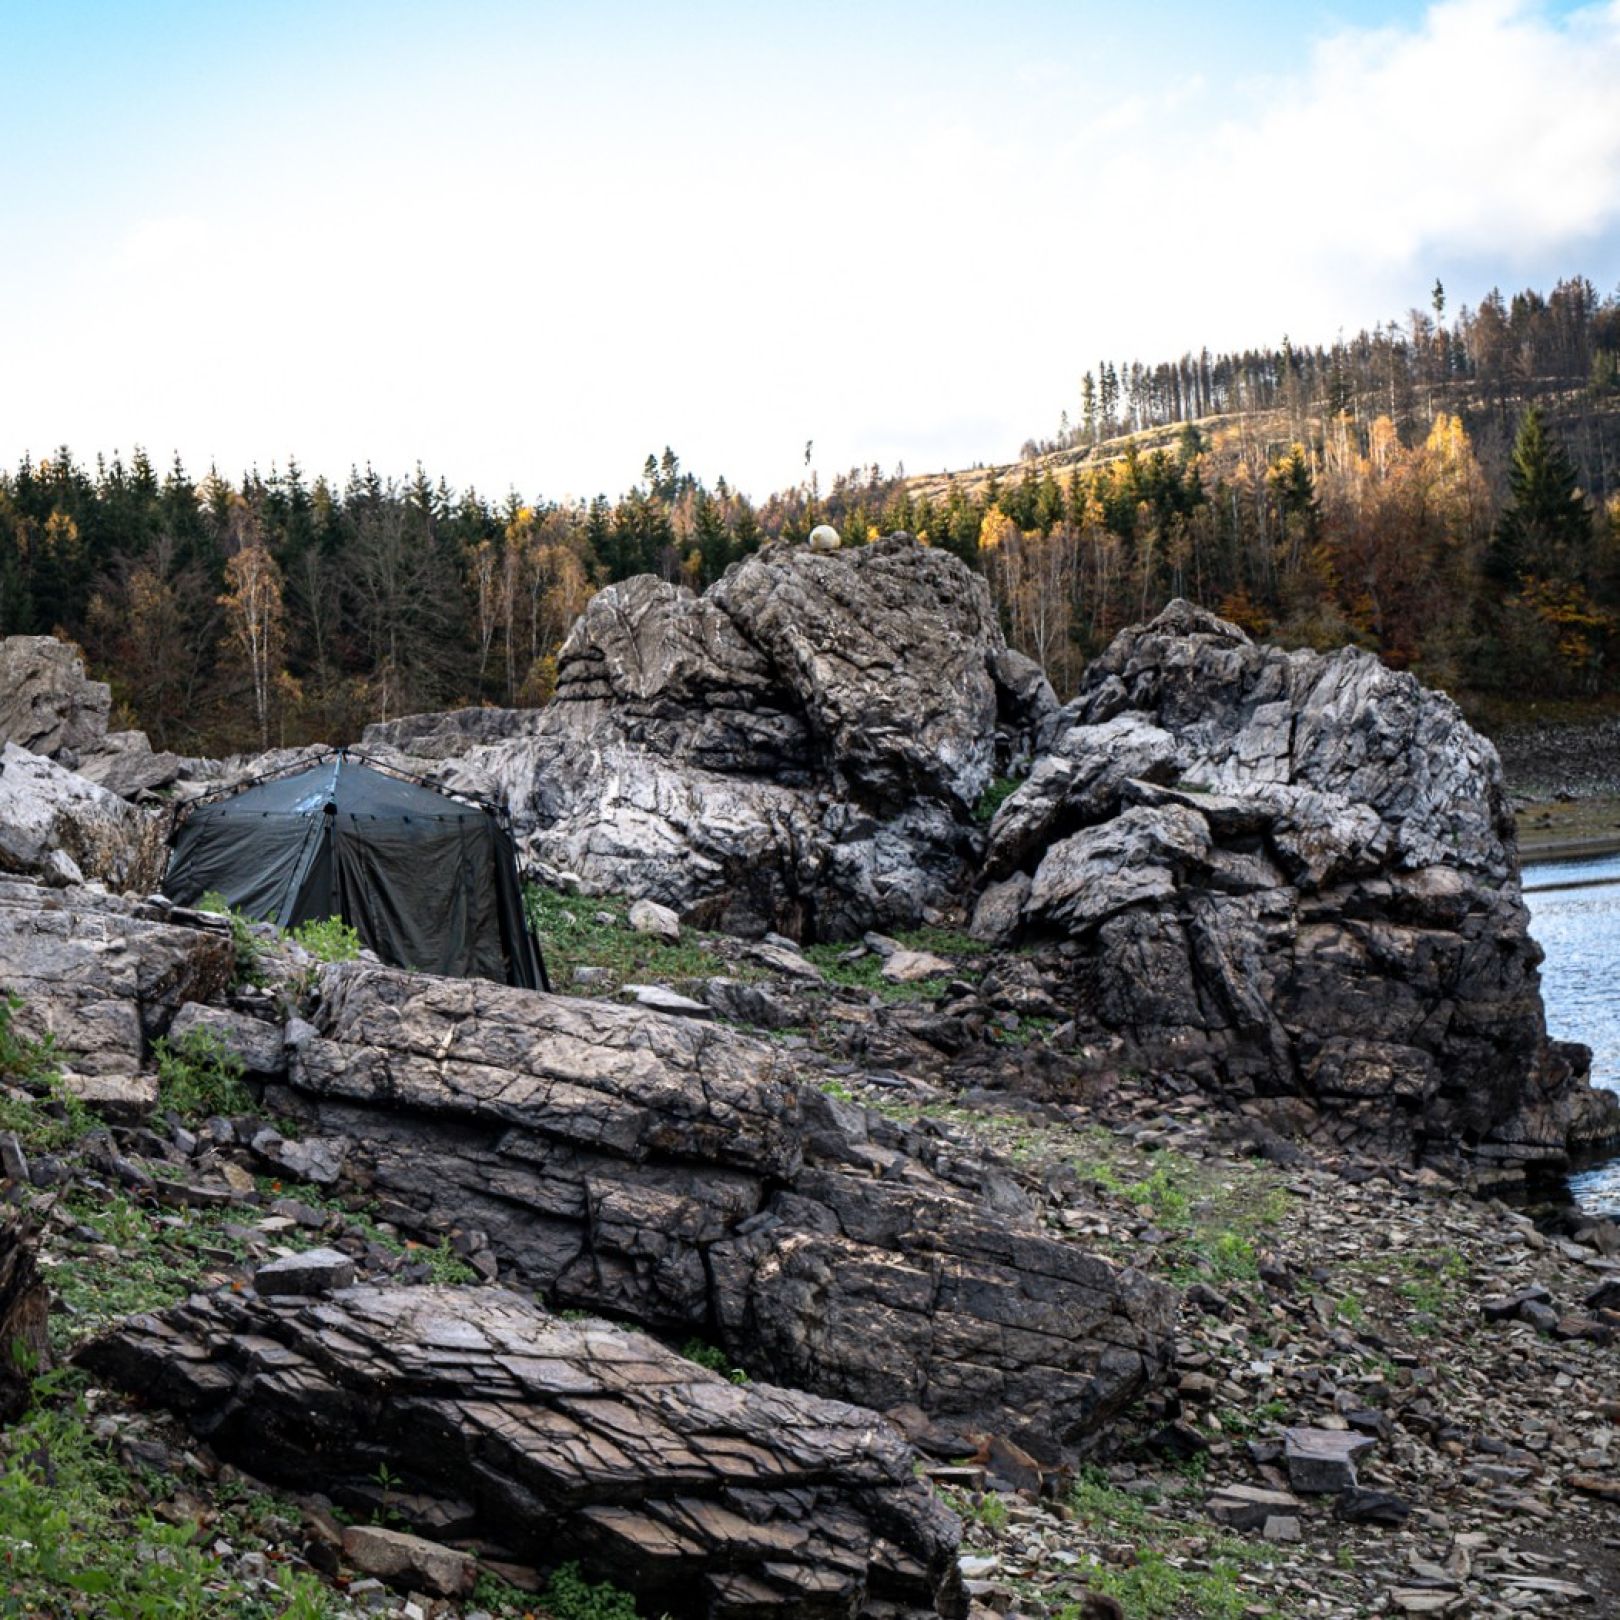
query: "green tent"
429, 880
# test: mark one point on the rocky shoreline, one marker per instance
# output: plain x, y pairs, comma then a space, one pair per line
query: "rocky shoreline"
991, 1159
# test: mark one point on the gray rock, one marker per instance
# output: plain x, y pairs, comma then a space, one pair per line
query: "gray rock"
656, 1168
314, 1271
103, 976
1250, 1507
661, 999
126, 1099
260, 1045
796, 750
1323, 1460
58, 828
908, 967
648, 917
13, 1161
696, 1494
451, 733
998, 914
318, 1160
46, 704
409, 1563
1292, 879
124, 763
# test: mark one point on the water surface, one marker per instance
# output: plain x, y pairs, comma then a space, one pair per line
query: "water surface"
1575, 917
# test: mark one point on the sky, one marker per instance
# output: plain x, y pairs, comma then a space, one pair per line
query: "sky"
525, 244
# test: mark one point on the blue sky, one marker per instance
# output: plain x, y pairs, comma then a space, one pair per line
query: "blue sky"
525, 244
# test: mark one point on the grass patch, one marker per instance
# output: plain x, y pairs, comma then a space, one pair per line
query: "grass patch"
76, 1538
571, 935
44, 1115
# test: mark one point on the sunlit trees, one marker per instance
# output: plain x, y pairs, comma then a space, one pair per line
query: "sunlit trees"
255, 624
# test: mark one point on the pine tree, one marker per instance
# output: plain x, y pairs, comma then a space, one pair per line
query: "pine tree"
1546, 527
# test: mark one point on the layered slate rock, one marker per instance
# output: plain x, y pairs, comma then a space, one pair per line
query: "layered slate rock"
101, 975
799, 749
449, 733
566, 1439
58, 828
1294, 878
667, 1171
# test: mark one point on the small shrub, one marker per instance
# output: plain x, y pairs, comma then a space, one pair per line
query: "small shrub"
199, 1075
714, 1358
569, 1596
327, 939
997, 794
249, 947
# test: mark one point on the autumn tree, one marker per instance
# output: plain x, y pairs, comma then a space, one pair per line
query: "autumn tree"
255, 622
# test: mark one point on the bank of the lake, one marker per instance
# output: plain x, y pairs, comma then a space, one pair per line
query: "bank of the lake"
1575, 916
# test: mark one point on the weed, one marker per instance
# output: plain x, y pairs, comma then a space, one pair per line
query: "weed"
997, 794
569, 1596
714, 1358
327, 939
198, 1075
446, 1266
249, 947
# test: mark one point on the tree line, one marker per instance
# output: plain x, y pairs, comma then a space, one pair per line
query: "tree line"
1441, 495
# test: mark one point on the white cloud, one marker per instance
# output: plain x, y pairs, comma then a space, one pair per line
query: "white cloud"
536, 286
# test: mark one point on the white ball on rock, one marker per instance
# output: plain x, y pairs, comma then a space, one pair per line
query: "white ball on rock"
824, 537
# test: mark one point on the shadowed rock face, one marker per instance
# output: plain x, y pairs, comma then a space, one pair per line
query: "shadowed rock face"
563, 1439
1294, 877
800, 748
668, 1172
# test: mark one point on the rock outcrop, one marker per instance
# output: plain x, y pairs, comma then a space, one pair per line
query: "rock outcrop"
103, 976
450, 734
563, 1439
800, 748
58, 828
669, 1172
1293, 877
46, 704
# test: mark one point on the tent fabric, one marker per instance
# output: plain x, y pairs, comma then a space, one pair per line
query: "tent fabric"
428, 881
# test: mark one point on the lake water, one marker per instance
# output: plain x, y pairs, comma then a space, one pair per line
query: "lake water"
1575, 917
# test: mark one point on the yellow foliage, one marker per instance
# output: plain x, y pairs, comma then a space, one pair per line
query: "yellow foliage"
994, 528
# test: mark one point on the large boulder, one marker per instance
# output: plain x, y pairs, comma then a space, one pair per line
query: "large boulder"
670, 1172
563, 1439
59, 828
799, 749
1293, 877
46, 704
103, 976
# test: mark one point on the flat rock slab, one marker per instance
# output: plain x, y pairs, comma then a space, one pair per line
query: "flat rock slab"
1323, 1460
655, 1169
660, 999
411, 1563
315, 1271
570, 1439
1249, 1507
908, 967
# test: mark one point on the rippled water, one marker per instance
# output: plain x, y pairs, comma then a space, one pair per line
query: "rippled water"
1575, 916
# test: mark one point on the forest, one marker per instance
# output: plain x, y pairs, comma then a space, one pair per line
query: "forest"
1445, 493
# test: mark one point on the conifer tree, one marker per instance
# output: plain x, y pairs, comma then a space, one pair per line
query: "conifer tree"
1545, 528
